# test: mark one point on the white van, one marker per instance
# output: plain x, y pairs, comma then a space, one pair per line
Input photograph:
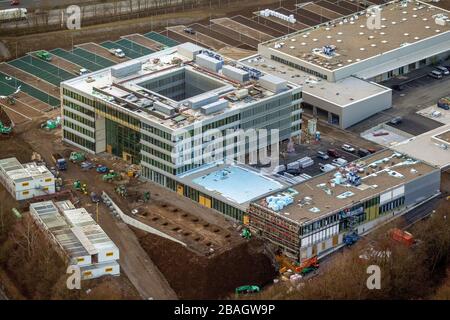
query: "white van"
340, 162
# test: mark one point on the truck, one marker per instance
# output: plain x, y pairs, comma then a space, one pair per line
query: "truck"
77, 157
444, 103
59, 161
117, 52
14, 14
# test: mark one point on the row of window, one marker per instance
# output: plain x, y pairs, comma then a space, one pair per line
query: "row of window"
158, 164
157, 153
156, 131
157, 142
78, 97
392, 205
116, 114
299, 67
79, 140
78, 128
79, 118
79, 108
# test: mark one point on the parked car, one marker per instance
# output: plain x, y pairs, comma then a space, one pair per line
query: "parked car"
348, 148
363, 152
443, 70
371, 150
333, 153
327, 167
340, 162
396, 120
95, 198
189, 30
322, 155
14, 2
294, 172
435, 74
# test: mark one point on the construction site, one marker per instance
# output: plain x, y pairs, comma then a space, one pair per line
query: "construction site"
213, 232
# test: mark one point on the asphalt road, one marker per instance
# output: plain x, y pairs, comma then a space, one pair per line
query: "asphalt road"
5, 4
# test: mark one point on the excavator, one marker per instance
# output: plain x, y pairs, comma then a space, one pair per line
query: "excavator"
303, 268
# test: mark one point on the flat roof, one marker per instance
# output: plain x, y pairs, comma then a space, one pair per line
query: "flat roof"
128, 93
75, 231
18, 172
327, 193
432, 147
401, 23
236, 184
340, 93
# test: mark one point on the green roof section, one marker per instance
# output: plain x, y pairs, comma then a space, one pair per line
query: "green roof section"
128, 52
93, 57
161, 39
134, 46
35, 71
82, 62
9, 86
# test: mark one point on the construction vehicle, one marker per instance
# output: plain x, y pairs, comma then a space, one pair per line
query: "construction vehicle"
350, 238
79, 186
286, 264
44, 55
59, 161
95, 198
247, 289
246, 234
121, 191
110, 176
401, 236
77, 157
101, 169
4, 129
51, 124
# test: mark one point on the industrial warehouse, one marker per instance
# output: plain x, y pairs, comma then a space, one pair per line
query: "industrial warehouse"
320, 215
155, 110
78, 238
355, 53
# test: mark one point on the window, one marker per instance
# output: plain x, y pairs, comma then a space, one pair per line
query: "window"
25, 184
109, 254
108, 269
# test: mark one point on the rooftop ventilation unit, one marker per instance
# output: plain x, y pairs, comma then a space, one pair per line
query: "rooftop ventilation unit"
208, 62
273, 83
189, 50
235, 73
125, 69
163, 108
217, 106
201, 100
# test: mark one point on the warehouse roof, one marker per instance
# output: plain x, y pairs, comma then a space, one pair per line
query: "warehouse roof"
354, 39
432, 147
329, 192
340, 93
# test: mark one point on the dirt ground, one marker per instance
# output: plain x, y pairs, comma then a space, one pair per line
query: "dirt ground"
211, 238
196, 277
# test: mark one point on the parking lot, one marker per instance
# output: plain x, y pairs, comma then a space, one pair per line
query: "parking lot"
416, 95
